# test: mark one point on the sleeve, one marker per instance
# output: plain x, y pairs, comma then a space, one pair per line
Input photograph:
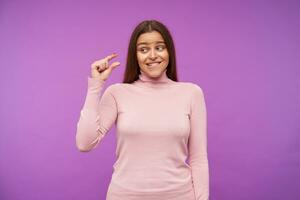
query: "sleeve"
198, 145
96, 117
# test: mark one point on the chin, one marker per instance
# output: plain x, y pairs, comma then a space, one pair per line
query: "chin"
155, 72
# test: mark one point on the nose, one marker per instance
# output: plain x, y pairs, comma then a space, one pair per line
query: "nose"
153, 54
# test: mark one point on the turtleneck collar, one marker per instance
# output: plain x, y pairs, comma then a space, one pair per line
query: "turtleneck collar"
163, 78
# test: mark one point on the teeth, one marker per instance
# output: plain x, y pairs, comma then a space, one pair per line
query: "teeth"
151, 64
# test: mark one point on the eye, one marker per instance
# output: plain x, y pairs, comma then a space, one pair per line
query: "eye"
143, 50
161, 48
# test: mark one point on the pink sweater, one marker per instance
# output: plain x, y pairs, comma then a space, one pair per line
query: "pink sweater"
161, 137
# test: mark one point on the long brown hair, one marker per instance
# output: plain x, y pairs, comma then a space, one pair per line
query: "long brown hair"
132, 70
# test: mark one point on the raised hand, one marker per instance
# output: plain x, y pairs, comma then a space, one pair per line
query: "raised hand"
100, 69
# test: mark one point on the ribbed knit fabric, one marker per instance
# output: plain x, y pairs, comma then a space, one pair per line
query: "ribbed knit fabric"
161, 136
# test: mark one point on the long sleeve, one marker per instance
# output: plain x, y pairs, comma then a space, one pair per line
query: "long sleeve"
97, 115
198, 146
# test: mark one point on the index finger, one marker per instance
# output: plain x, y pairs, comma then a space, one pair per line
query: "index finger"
111, 56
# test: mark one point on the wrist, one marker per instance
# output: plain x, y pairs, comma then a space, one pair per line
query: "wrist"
97, 78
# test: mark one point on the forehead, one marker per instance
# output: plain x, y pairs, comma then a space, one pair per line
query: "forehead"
150, 37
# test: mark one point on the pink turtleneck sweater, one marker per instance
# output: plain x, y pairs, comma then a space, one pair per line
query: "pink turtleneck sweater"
161, 136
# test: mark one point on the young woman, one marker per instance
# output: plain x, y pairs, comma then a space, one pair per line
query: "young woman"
161, 123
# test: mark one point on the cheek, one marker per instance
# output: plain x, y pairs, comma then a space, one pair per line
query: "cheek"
140, 58
165, 55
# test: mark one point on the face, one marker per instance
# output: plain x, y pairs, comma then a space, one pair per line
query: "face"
152, 54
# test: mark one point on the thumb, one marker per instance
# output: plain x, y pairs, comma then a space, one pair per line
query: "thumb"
114, 65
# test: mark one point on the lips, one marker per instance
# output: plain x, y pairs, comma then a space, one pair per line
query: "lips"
153, 63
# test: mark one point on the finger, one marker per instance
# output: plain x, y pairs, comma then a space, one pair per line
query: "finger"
105, 64
97, 66
114, 64
108, 58
101, 65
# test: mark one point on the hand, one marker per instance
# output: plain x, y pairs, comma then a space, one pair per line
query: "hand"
100, 68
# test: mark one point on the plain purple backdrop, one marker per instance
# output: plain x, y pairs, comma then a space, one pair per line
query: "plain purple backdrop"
245, 55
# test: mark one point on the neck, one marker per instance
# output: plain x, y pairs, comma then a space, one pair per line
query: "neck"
163, 78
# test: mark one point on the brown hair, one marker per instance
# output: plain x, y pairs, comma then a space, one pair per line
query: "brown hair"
132, 70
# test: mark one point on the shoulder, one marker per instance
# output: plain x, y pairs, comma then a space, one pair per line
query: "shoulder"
192, 88
116, 87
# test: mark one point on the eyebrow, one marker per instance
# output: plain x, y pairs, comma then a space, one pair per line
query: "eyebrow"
148, 43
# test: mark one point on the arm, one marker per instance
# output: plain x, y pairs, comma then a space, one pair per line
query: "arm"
96, 117
198, 146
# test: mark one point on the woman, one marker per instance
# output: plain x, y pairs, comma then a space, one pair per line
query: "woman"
160, 122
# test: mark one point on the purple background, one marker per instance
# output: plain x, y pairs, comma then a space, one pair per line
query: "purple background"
244, 54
